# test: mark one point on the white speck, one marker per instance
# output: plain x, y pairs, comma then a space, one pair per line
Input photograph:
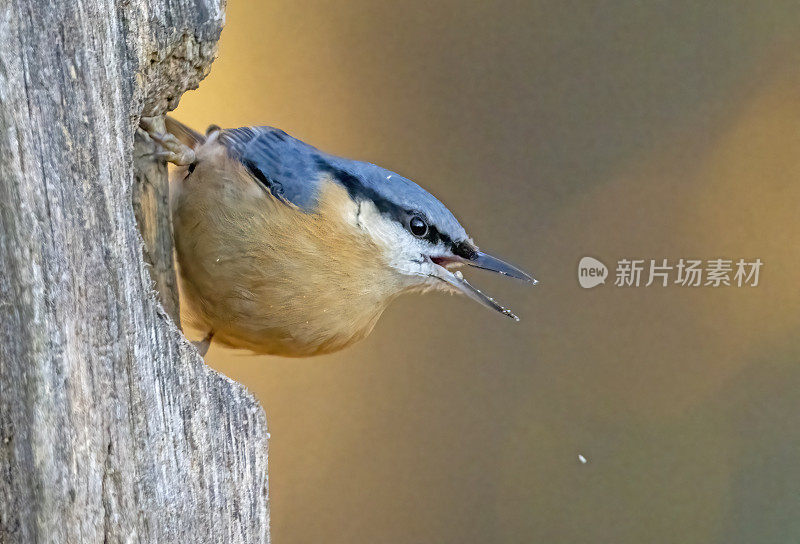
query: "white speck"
388, 177
458, 274
269, 436
582, 459
218, 259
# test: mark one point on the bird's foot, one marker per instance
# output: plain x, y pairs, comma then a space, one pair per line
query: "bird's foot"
203, 345
175, 151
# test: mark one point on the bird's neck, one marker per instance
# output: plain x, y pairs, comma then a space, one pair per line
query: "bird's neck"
346, 282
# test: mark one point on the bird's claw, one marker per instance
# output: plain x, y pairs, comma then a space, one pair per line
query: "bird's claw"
203, 345
175, 151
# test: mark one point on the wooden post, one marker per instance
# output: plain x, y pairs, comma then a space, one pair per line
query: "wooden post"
112, 429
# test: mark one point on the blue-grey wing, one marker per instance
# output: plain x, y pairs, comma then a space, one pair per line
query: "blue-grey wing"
293, 171
284, 165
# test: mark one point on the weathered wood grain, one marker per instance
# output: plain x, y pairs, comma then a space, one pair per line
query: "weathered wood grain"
152, 210
111, 427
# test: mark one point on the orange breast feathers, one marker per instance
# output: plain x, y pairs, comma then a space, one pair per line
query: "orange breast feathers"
263, 274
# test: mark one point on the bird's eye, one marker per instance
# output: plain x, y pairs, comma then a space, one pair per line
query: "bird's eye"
418, 226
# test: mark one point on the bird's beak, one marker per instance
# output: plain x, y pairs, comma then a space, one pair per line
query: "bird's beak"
486, 262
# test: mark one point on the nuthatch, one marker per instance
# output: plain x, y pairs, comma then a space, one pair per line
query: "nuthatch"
284, 249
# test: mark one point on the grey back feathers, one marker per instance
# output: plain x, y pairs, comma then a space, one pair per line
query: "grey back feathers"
282, 164
293, 171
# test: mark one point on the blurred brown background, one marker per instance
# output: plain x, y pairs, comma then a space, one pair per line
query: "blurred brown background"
553, 130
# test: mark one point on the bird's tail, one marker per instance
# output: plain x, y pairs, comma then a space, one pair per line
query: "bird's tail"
186, 135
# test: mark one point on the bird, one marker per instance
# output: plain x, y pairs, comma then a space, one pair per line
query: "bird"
287, 250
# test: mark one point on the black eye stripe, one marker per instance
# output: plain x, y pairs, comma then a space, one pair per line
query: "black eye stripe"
358, 191
464, 249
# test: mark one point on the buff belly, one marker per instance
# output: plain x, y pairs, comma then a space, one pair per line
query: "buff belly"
264, 275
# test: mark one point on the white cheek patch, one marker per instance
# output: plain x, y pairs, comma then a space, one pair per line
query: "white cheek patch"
404, 251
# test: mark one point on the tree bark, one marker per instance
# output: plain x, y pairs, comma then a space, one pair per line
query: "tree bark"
152, 210
112, 429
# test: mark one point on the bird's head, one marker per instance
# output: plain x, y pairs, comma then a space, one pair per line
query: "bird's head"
421, 239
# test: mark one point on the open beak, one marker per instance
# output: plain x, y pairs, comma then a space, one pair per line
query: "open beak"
486, 262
